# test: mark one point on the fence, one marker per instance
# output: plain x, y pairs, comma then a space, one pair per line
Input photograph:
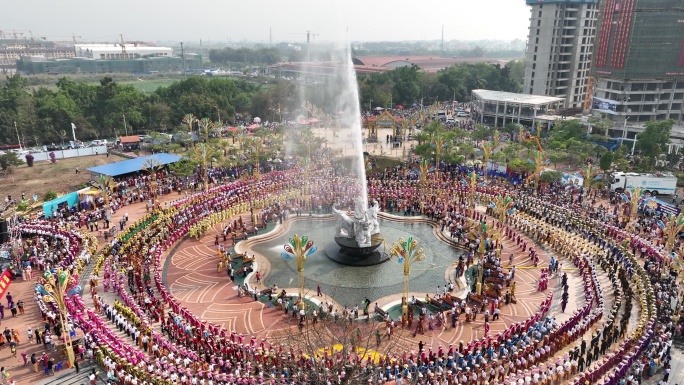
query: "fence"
62, 154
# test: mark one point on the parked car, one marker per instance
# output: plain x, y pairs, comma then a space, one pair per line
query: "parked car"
462, 114
450, 119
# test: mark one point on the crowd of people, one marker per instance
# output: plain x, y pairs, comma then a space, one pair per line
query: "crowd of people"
540, 350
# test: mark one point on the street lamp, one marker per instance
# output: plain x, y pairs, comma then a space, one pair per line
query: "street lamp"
55, 291
407, 252
299, 248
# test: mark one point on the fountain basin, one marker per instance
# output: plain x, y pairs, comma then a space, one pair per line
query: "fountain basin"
348, 252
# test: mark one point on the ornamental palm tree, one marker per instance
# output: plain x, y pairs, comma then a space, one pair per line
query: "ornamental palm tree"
104, 184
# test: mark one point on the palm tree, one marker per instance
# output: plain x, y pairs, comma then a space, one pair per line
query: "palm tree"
152, 166
104, 184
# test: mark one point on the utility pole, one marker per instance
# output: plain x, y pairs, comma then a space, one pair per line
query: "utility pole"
183, 56
442, 37
308, 46
18, 138
125, 127
270, 35
201, 50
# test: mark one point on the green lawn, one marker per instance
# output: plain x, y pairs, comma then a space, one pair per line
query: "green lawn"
150, 85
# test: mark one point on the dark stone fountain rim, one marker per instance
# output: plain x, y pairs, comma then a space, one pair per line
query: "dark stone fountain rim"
348, 252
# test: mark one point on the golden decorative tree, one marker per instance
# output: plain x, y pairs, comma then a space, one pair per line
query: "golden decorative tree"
539, 160
104, 184
152, 165
673, 227
300, 248
502, 205
588, 173
487, 149
55, 290
472, 187
633, 197
205, 125
190, 120
439, 140
407, 252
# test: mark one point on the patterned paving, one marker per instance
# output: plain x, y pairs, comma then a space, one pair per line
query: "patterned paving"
192, 278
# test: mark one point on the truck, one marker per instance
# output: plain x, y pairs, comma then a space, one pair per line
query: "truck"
655, 184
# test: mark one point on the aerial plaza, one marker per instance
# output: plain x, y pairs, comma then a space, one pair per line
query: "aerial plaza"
500, 286
312, 264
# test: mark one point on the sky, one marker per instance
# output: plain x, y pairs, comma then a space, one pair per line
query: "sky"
221, 20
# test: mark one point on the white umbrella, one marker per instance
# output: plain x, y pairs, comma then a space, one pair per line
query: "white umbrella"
257, 120
378, 108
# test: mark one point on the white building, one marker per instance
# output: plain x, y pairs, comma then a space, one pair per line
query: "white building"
120, 51
496, 108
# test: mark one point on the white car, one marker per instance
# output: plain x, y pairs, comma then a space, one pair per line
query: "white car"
461, 114
450, 120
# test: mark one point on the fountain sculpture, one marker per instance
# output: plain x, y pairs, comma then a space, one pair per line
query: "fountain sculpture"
357, 236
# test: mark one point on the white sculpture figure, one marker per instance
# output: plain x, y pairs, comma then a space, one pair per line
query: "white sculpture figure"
344, 226
362, 233
362, 226
372, 216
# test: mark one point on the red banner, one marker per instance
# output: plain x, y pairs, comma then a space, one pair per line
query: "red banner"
5, 280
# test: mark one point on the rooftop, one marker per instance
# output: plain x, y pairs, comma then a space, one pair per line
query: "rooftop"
510, 97
133, 165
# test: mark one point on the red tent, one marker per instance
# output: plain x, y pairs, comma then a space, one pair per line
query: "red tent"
253, 126
400, 107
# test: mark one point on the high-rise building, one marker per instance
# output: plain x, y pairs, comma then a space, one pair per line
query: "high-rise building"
559, 49
639, 61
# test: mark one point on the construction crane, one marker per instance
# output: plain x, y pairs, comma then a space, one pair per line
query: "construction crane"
123, 46
14, 33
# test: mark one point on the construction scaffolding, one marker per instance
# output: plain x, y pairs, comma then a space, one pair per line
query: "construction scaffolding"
640, 39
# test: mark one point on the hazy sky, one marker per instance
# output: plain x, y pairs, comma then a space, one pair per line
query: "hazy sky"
367, 20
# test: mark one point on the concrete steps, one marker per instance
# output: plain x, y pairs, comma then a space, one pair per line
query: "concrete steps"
70, 377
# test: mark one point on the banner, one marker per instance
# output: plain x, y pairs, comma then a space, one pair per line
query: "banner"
604, 105
5, 280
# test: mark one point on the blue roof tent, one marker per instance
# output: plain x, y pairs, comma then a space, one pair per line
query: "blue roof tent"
133, 165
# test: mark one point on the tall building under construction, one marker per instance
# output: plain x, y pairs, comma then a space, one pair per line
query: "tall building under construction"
638, 66
559, 49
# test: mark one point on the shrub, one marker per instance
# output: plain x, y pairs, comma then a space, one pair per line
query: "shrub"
49, 195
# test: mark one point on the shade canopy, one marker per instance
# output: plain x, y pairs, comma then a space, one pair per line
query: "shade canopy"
133, 165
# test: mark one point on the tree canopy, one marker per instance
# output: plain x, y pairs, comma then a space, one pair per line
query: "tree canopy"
653, 141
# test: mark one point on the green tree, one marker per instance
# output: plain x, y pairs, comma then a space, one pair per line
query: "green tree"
654, 139
8, 161
606, 161
49, 195
550, 176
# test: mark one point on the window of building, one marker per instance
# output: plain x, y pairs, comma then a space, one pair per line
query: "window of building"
538, 23
534, 66
531, 84
539, 13
535, 49
538, 32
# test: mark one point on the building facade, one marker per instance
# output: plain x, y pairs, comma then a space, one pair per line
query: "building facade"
559, 49
13, 50
32, 65
639, 61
